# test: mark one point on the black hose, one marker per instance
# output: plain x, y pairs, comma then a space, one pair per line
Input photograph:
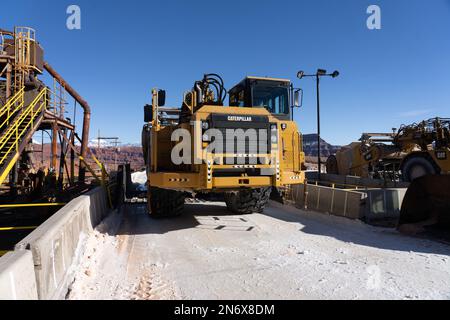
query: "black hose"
217, 76
220, 82
216, 87
214, 80
219, 89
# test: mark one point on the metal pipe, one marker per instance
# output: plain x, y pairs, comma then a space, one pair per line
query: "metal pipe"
72, 159
199, 93
86, 118
319, 162
54, 147
9, 33
8, 81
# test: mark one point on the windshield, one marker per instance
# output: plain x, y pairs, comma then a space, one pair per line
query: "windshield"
274, 99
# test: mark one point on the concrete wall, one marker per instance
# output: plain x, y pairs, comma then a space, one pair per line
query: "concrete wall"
57, 245
17, 278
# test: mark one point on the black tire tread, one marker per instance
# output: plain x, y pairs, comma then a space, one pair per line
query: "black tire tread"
423, 161
163, 203
248, 201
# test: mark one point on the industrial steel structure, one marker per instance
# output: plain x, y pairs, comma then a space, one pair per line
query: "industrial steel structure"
28, 106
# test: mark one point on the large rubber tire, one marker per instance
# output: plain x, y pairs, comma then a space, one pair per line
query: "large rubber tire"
248, 201
416, 167
163, 203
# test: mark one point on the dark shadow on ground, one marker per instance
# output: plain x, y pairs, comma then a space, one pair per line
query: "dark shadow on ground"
202, 216
216, 217
355, 231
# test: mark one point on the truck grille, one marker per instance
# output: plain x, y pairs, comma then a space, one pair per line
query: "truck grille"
255, 140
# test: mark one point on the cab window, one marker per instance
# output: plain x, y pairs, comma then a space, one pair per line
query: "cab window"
274, 99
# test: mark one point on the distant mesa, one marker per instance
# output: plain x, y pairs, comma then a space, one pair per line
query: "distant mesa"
310, 146
132, 152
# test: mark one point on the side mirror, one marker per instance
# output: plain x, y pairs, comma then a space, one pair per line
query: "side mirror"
148, 113
298, 98
161, 98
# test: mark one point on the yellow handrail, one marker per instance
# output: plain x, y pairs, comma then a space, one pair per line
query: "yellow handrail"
18, 101
24, 37
12, 100
14, 129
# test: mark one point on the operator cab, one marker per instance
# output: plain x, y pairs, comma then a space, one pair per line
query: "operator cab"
273, 94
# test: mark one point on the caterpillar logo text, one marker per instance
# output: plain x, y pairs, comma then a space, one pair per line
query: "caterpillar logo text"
237, 118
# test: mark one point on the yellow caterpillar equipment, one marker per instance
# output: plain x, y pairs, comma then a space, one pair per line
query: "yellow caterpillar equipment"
240, 151
413, 151
416, 153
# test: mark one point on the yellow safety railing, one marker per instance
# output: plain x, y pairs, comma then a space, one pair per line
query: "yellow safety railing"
3, 252
24, 38
15, 131
103, 180
18, 228
31, 205
337, 185
11, 107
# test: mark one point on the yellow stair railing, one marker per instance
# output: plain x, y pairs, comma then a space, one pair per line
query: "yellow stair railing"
10, 140
11, 107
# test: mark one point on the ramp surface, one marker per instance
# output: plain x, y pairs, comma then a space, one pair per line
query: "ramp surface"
283, 253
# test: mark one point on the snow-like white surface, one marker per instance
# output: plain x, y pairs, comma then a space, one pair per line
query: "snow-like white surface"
139, 177
283, 253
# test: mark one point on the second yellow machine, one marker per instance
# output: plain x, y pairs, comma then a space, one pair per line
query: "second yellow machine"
242, 150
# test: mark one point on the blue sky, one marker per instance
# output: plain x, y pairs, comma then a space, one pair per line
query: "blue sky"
399, 74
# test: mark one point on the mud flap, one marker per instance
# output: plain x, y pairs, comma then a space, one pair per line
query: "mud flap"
277, 195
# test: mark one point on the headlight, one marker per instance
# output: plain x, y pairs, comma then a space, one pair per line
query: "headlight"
274, 138
205, 125
274, 133
205, 137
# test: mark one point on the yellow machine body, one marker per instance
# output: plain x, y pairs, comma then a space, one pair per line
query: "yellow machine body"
415, 150
284, 165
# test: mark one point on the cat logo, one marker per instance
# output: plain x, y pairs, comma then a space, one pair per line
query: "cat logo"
441, 155
240, 118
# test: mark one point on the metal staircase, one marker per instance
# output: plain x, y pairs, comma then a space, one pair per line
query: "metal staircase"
18, 124
11, 108
29, 106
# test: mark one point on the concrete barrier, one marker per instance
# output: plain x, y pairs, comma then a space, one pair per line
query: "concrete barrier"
370, 204
337, 202
384, 203
17, 279
58, 244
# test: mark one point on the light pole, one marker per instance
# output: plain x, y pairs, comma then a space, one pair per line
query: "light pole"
317, 75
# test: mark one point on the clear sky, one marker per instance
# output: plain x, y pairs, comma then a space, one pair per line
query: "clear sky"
399, 74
